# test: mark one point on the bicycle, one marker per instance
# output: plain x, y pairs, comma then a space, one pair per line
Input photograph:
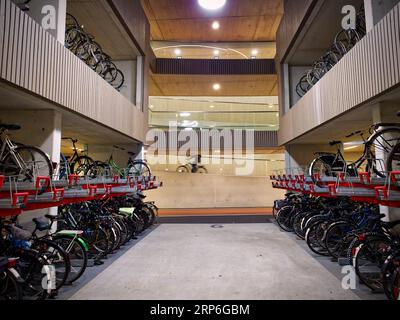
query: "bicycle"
384, 137
10, 280
75, 164
134, 167
193, 167
23, 162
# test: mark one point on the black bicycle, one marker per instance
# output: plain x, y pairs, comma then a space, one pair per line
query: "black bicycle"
75, 164
385, 137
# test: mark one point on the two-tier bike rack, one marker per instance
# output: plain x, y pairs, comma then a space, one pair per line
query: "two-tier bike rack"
17, 197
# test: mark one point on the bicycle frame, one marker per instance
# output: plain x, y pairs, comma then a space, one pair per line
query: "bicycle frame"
7, 148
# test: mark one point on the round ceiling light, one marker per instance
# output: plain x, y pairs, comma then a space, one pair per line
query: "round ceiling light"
212, 4
216, 86
215, 25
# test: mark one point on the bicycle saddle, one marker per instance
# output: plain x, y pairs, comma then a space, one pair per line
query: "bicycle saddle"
390, 225
41, 224
11, 127
141, 195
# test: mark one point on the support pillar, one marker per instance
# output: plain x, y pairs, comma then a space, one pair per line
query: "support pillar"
377, 117
42, 129
376, 10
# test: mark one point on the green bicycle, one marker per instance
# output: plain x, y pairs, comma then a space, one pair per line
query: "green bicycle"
134, 167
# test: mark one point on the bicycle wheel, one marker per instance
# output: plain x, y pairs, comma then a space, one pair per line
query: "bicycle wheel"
202, 170
82, 165
284, 218
119, 80
393, 161
57, 257
77, 256
369, 261
139, 169
27, 163
98, 240
320, 167
335, 238
315, 238
297, 224
391, 277
182, 169
384, 142
10, 286
30, 265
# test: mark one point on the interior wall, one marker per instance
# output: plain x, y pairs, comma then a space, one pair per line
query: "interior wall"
129, 69
190, 191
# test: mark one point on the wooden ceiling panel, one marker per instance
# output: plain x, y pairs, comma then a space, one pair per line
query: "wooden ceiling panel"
248, 85
183, 20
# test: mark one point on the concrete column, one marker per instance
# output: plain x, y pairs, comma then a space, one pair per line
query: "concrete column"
375, 10
377, 117
301, 155
50, 15
40, 128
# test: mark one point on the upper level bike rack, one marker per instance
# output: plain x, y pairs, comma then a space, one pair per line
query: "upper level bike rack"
363, 188
17, 197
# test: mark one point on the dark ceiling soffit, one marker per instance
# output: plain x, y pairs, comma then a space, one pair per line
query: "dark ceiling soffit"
116, 6
215, 66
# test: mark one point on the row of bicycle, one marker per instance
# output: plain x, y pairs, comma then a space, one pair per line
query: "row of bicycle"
36, 265
350, 233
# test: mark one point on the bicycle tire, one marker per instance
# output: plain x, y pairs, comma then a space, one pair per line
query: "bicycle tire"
31, 173
10, 287
77, 269
375, 258
57, 257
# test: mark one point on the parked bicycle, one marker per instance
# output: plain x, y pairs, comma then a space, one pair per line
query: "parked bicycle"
25, 163
85, 48
344, 41
134, 167
384, 139
75, 164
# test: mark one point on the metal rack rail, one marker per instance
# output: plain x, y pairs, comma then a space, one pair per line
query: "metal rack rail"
363, 188
17, 197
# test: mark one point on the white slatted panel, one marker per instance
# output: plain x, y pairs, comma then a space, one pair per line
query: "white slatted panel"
369, 69
32, 59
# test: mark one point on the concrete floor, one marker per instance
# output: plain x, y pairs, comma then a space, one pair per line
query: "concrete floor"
197, 261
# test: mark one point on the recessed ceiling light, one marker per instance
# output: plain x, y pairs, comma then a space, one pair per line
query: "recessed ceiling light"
212, 107
211, 4
216, 52
270, 106
151, 106
254, 52
178, 52
215, 25
185, 114
216, 86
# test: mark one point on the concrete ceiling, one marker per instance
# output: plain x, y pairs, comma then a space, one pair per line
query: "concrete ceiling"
183, 20
73, 125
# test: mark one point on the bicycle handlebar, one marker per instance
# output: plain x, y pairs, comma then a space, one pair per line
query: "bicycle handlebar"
73, 140
354, 134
